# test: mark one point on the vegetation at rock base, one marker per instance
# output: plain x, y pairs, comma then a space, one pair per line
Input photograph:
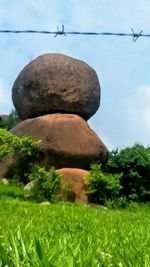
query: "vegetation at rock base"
134, 164
46, 184
24, 150
125, 177
67, 192
102, 186
13, 145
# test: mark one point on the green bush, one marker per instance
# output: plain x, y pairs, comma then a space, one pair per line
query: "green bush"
120, 202
102, 186
46, 184
22, 150
11, 144
134, 164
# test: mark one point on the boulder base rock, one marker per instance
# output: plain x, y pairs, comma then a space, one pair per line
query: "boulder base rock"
29, 186
66, 140
56, 83
74, 179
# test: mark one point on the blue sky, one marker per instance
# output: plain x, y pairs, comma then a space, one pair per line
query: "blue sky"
122, 65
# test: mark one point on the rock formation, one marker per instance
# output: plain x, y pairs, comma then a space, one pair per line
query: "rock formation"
55, 95
62, 88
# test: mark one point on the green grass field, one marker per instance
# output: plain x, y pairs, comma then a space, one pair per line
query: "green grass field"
70, 235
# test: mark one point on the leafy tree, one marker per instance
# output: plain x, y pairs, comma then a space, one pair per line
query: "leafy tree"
10, 121
134, 164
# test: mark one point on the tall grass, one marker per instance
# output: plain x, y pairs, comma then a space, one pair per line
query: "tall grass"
69, 235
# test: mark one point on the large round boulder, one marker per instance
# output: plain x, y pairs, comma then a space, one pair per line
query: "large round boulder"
56, 83
66, 140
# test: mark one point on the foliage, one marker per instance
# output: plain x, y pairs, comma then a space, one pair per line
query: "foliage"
11, 120
120, 202
72, 235
23, 151
46, 184
67, 193
102, 186
134, 164
11, 144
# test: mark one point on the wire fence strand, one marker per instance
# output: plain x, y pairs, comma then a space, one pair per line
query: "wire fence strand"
132, 34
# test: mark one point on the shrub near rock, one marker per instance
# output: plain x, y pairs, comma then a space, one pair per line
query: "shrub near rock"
16, 154
134, 164
11, 144
102, 187
47, 184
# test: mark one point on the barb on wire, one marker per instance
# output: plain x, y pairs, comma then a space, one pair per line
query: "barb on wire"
62, 32
134, 35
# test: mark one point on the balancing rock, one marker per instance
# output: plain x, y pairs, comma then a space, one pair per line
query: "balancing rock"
66, 140
55, 83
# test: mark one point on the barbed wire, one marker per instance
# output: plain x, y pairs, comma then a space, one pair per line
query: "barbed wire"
58, 32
